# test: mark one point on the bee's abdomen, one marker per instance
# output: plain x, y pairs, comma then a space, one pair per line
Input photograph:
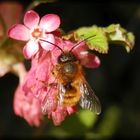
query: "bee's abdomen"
71, 97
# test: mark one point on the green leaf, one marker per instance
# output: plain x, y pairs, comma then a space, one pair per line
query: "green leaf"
118, 35
98, 42
102, 37
76, 125
87, 118
110, 122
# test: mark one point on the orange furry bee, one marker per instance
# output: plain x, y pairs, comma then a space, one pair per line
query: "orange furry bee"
71, 83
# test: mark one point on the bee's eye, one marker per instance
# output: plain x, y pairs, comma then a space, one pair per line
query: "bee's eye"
62, 58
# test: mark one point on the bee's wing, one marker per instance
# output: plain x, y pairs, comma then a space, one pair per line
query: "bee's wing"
61, 93
88, 98
48, 102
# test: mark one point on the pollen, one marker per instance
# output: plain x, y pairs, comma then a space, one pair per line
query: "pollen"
37, 33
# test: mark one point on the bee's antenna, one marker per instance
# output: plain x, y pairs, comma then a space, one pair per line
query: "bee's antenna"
81, 42
52, 44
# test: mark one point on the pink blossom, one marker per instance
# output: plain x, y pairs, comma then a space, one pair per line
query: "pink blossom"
38, 77
27, 107
35, 29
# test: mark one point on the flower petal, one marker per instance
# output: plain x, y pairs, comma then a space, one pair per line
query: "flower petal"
59, 115
50, 22
19, 32
27, 107
44, 67
89, 60
47, 46
30, 49
31, 19
71, 110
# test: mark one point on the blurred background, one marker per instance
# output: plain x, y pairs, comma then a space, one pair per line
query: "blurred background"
116, 82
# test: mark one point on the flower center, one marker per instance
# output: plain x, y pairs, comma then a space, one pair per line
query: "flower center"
37, 33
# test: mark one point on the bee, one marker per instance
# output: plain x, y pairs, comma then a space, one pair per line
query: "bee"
72, 86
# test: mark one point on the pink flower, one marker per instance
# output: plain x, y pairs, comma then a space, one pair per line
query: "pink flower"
35, 29
37, 79
27, 107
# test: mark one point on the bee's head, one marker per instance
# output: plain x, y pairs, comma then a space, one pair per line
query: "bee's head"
66, 57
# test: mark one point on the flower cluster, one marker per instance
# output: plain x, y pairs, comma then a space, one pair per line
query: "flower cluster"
35, 97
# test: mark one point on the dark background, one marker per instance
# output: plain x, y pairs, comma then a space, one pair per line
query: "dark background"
116, 81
